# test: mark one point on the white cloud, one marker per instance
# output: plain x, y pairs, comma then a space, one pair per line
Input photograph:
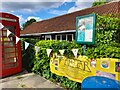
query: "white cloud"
33, 17
58, 12
21, 19
47, 0
36, 0
80, 4
29, 6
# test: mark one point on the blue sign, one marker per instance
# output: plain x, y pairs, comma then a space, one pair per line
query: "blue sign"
101, 83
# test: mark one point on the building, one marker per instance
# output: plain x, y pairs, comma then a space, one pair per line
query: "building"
63, 27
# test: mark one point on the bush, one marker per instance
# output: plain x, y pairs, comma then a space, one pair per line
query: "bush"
41, 64
28, 55
107, 45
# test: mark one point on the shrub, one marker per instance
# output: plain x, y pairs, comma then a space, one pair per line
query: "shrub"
107, 45
28, 55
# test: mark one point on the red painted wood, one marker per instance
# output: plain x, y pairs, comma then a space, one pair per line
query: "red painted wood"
3, 70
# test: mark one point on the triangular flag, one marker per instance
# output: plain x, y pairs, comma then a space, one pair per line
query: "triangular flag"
75, 51
36, 49
8, 33
61, 52
1, 26
48, 51
26, 45
17, 39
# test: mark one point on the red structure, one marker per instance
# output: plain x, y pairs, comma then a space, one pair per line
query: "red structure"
10, 52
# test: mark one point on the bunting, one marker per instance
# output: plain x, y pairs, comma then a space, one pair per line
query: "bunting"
1, 26
48, 51
62, 52
37, 49
26, 45
75, 51
17, 39
8, 33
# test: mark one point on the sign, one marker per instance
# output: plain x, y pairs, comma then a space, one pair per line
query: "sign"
100, 83
117, 67
77, 69
85, 29
8, 19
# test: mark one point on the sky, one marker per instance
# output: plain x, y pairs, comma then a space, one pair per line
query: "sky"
42, 9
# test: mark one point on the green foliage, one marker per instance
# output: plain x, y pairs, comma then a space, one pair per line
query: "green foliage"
28, 23
41, 64
28, 55
107, 45
100, 2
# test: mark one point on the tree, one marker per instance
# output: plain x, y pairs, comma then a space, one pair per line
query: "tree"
100, 2
28, 23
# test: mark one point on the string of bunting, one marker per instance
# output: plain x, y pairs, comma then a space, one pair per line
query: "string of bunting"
75, 51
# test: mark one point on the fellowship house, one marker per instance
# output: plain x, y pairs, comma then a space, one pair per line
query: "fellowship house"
64, 27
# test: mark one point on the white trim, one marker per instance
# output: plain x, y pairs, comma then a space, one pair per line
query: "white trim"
65, 35
8, 19
47, 36
36, 34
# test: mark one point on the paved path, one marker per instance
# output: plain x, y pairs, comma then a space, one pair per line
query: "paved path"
29, 80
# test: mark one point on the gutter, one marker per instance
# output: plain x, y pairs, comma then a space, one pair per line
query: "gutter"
55, 32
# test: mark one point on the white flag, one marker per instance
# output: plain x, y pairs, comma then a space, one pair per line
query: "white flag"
26, 45
61, 52
1, 26
48, 51
36, 49
17, 39
8, 33
75, 51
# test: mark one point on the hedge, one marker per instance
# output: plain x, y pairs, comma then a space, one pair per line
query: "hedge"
107, 44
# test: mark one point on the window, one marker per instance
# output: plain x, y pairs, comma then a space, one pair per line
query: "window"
70, 37
58, 37
48, 37
10, 28
67, 37
63, 37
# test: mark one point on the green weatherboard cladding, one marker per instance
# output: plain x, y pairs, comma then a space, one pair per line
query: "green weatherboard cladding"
85, 29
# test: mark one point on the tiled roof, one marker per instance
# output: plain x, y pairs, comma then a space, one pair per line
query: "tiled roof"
67, 21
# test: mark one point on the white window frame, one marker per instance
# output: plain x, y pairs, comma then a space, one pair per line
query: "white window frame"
58, 35
67, 35
48, 36
61, 36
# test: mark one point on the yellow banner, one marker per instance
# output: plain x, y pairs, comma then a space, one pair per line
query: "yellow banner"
77, 69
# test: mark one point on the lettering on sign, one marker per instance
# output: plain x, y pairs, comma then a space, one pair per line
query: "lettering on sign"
83, 65
8, 19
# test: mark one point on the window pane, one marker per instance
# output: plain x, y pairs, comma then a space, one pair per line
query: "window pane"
69, 37
0, 33
58, 37
10, 28
47, 38
63, 37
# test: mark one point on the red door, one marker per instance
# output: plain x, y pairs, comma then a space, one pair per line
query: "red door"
10, 51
